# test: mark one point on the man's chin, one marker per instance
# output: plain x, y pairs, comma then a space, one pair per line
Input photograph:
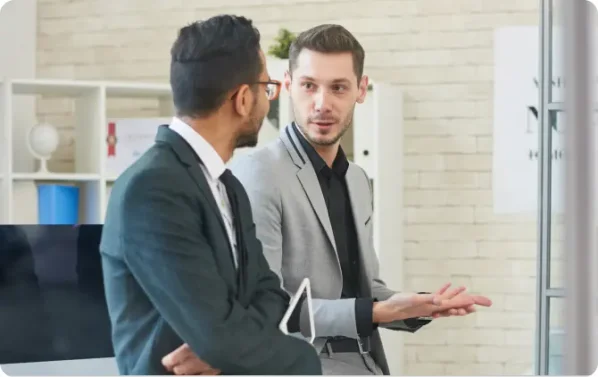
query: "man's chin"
323, 140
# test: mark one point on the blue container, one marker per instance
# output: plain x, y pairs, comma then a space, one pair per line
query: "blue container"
58, 204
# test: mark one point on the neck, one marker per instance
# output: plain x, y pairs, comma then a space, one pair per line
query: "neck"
327, 152
221, 139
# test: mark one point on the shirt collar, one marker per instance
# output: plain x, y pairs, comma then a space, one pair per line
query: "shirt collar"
340, 164
204, 150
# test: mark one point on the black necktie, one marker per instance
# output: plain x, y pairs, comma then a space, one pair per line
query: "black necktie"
228, 180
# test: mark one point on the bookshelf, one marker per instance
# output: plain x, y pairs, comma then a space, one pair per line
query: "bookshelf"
89, 116
373, 142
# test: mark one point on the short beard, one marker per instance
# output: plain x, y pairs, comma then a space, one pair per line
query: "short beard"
247, 140
328, 142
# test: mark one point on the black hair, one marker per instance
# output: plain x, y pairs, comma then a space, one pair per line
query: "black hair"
209, 59
328, 38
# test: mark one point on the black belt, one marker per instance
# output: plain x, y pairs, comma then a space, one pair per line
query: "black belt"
347, 345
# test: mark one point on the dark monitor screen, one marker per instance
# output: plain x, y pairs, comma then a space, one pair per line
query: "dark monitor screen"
52, 303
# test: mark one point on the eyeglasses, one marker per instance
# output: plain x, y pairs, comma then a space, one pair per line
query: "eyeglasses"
272, 88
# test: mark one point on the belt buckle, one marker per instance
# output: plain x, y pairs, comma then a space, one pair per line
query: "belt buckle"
364, 345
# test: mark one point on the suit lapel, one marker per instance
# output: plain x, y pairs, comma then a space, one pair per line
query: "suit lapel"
201, 182
309, 181
311, 186
356, 195
191, 161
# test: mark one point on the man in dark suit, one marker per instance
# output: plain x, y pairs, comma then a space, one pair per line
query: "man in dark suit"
181, 261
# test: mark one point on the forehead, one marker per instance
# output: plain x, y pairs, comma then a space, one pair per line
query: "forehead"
325, 66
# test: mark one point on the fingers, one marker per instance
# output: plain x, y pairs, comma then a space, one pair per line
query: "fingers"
482, 301
183, 369
454, 292
454, 302
176, 357
193, 366
465, 300
453, 298
454, 312
183, 361
445, 313
443, 289
422, 299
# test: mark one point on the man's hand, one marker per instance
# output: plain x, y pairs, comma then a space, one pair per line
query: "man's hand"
183, 361
443, 303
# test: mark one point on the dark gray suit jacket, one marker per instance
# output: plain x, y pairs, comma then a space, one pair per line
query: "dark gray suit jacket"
170, 277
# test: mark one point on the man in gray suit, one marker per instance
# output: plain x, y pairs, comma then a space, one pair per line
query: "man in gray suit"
313, 211
181, 261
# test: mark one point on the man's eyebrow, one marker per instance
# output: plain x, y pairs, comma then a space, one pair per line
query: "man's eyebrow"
334, 81
343, 80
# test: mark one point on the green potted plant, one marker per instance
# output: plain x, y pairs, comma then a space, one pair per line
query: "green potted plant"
277, 60
280, 49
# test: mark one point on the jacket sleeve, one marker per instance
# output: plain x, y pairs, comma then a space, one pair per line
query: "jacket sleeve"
380, 290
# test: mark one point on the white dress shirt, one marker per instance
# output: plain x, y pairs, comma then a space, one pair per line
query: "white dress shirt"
212, 167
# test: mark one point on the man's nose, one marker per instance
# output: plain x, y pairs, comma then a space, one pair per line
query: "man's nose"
322, 101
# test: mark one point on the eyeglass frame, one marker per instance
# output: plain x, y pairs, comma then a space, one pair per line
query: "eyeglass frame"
278, 85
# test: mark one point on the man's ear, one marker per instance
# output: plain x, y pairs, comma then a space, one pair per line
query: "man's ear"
363, 88
287, 81
242, 101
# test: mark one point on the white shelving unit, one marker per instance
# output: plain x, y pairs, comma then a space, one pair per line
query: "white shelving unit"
90, 113
375, 143
18, 189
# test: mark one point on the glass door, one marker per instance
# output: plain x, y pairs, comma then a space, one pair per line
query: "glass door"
566, 225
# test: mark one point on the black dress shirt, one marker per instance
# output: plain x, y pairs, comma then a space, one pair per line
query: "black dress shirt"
334, 189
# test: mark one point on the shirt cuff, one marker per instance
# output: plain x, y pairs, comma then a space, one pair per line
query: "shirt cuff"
364, 317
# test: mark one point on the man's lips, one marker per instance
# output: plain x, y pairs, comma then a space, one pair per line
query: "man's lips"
323, 122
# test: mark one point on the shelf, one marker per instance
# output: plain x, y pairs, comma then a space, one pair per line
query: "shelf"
83, 117
52, 87
132, 90
76, 177
77, 88
81, 111
25, 199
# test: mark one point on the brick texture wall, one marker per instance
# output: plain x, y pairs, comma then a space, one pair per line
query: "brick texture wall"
441, 53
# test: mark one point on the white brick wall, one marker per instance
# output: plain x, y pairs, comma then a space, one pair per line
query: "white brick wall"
441, 53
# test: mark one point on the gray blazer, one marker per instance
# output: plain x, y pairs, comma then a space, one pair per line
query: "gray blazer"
293, 225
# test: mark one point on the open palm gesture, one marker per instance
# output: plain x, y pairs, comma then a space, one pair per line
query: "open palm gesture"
443, 303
